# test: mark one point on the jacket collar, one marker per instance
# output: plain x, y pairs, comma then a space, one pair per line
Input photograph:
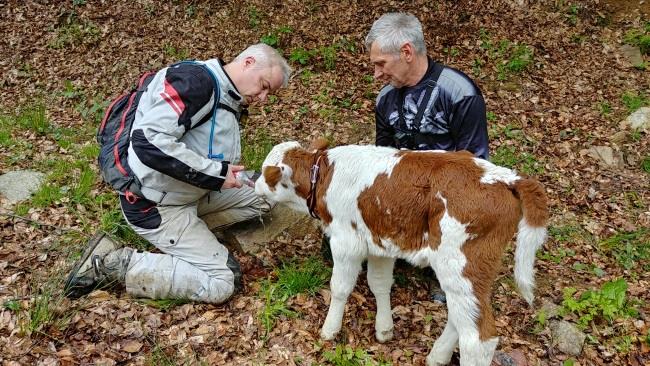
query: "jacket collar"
230, 96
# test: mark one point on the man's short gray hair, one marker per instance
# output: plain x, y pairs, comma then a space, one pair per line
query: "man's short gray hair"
392, 30
265, 56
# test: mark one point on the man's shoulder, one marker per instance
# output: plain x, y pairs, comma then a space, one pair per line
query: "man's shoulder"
383, 93
457, 83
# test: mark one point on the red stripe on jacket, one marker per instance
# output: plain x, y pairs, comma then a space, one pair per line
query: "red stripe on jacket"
170, 95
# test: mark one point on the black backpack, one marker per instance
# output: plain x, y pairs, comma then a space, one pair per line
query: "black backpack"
114, 136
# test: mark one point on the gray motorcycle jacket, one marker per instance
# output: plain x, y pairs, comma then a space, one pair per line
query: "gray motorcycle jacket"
170, 137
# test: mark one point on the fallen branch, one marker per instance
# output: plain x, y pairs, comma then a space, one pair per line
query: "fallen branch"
39, 223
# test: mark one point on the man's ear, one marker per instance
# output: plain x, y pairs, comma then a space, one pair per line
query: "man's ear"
408, 51
318, 144
249, 61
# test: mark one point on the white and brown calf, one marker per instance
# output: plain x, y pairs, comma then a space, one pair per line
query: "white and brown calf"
447, 210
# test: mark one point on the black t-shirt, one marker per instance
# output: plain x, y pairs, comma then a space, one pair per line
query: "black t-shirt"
453, 117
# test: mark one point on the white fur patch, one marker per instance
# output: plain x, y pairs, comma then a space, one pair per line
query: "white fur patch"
494, 173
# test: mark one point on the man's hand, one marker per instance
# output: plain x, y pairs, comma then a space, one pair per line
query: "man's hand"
231, 181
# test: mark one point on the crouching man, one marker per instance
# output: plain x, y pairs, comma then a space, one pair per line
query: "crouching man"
184, 136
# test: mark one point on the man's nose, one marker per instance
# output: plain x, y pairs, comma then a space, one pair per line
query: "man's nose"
378, 72
262, 96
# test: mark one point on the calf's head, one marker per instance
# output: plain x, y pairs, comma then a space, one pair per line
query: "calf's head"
285, 173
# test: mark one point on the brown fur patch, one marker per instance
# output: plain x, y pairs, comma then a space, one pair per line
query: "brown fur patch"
272, 175
533, 201
300, 162
405, 206
319, 144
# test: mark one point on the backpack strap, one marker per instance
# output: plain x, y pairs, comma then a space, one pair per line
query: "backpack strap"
217, 104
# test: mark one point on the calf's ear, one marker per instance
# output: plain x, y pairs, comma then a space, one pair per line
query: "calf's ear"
272, 175
318, 144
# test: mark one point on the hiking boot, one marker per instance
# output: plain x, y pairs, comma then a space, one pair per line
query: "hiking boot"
101, 264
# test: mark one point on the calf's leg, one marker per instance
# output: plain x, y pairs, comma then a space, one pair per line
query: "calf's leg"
444, 346
344, 277
380, 280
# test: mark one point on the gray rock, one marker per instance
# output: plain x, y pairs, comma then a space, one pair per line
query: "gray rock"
606, 156
618, 137
19, 185
513, 358
632, 54
251, 236
567, 338
550, 309
639, 120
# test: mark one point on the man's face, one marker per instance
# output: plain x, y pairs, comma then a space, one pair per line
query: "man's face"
258, 82
389, 68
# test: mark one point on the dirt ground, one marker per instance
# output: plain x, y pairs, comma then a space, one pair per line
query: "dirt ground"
571, 95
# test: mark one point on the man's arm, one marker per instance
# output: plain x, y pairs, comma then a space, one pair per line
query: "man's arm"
177, 102
469, 126
385, 133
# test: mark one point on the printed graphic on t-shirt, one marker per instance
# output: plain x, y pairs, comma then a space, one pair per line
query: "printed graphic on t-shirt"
433, 120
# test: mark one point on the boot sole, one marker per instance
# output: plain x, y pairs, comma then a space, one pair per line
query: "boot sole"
69, 285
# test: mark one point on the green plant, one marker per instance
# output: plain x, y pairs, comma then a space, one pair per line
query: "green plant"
556, 257
569, 362
83, 185
190, 11
33, 118
328, 55
158, 357
609, 303
623, 344
344, 355
273, 38
605, 108
12, 305
639, 38
491, 116
516, 59
165, 304
47, 195
253, 17
73, 32
645, 164
112, 222
630, 248
572, 14
255, 148
70, 91
45, 307
274, 306
566, 233
509, 157
300, 55
634, 101
578, 38
293, 277
93, 110
452, 52
306, 277
177, 54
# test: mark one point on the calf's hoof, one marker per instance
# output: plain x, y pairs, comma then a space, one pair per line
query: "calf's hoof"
328, 335
384, 336
437, 360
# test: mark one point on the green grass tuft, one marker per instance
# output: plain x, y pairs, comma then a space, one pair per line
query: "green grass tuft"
255, 148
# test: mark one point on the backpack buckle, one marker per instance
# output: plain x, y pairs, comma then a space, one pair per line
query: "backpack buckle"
130, 197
